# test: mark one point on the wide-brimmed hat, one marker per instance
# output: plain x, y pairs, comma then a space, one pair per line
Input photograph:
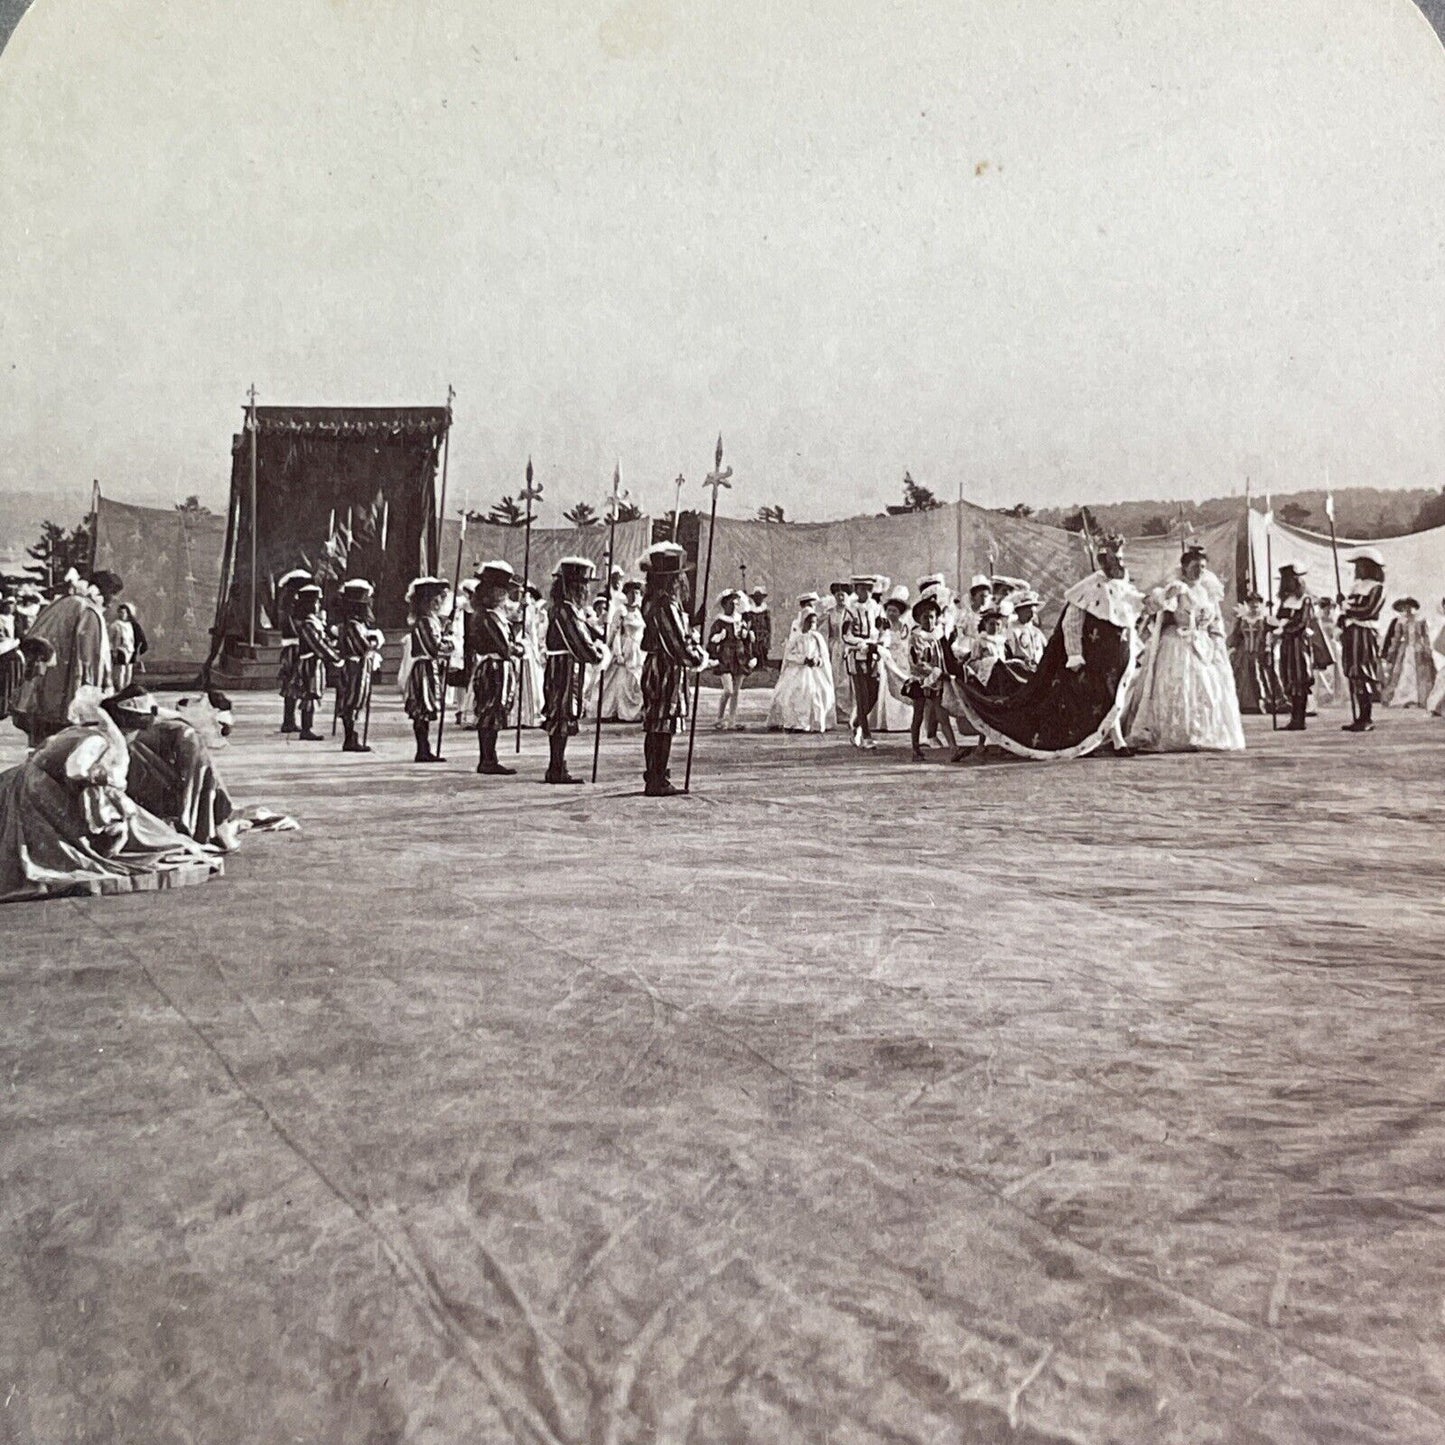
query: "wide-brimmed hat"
898, 597
758, 592
1293, 569
729, 594
357, 587
293, 578
496, 574
423, 589
863, 579
1367, 554
926, 603
934, 579
663, 559
979, 580
808, 599
309, 590
579, 567
1401, 603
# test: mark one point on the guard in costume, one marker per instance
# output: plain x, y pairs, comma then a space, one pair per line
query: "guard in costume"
862, 641
574, 644
359, 642
1301, 644
760, 620
494, 658
315, 653
427, 661
1359, 629
286, 590
670, 651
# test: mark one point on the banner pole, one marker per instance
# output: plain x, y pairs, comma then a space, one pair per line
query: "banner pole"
716, 480
607, 621
531, 494
255, 520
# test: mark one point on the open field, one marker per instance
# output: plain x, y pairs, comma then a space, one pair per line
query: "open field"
844, 1101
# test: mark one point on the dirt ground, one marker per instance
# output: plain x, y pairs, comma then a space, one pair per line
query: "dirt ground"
845, 1101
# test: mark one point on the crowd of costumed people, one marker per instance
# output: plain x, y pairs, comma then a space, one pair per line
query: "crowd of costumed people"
120, 792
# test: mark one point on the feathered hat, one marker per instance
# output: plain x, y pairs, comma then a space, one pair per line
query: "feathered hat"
423, 589
496, 574
583, 568
666, 559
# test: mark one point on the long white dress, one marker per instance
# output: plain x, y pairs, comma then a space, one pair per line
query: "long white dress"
894, 713
622, 686
1186, 699
803, 700
534, 649
830, 624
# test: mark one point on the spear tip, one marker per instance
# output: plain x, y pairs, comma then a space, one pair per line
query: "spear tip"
719, 453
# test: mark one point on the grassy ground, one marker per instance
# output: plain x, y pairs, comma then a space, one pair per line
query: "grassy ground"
846, 1100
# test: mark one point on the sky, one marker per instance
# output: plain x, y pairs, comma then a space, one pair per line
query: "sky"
1039, 250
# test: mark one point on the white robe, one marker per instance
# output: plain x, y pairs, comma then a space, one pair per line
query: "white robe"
1186, 699
894, 713
803, 700
622, 686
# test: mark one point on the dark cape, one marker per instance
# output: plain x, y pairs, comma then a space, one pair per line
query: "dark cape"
1056, 713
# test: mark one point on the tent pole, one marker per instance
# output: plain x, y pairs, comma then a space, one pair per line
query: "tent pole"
254, 518
958, 543
446, 453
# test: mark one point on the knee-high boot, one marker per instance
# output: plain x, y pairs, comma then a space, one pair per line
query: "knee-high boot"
308, 716
288, 715
422, 730
557, 772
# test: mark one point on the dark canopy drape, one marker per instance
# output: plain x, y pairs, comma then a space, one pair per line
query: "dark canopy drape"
341, 491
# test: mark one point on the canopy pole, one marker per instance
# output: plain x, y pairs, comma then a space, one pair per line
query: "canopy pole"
446, 453
254, 517
958, 543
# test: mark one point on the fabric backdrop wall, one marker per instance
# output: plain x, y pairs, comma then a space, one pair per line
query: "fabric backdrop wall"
959, 538
1414, 564
170, 563
487, 542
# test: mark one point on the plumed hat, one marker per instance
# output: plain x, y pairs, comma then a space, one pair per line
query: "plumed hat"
357, 587
663, 560
927, 603
897, 597
980, 581
1367, 554
578, 567
496, 574
423, 589
294, 578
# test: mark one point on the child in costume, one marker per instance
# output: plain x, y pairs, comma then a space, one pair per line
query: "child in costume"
359, 642
574, 643
427, 661
494, 655
670, 650
730, 643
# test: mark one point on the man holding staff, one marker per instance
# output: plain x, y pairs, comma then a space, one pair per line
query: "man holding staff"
670, 651
572, 645
494, 654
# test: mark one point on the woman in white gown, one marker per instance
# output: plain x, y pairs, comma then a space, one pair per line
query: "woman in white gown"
534, 649
1186, 700
622, 685
804, 700
894, 713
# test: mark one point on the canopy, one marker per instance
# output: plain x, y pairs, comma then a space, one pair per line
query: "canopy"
1414, 564
340, 491
170, 562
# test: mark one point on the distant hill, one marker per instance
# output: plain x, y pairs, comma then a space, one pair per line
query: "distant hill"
1360, 512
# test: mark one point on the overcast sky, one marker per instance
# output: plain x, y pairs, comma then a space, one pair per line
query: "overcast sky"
1047, 249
